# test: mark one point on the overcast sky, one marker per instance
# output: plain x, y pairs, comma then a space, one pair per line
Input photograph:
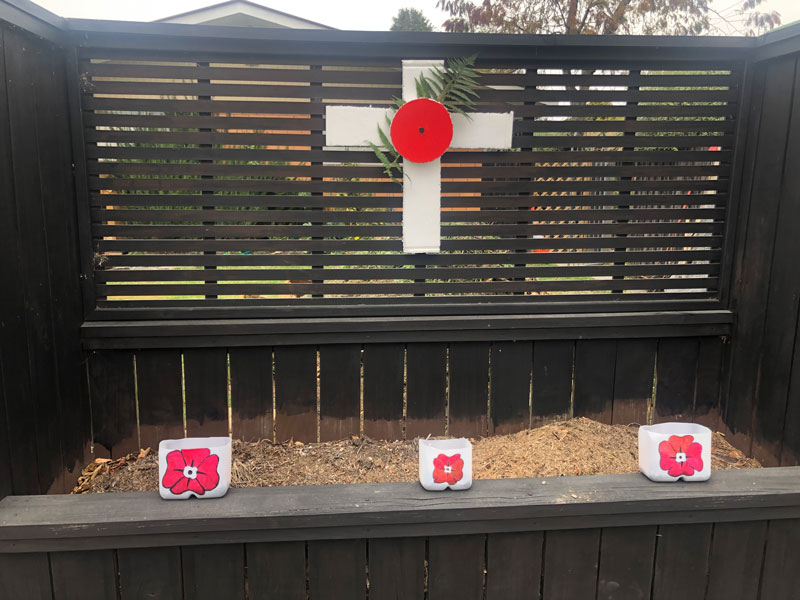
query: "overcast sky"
342, 14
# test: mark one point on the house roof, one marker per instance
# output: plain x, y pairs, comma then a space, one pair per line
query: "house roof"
243, 13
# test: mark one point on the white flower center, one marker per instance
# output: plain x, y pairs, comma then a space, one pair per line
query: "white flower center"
448, 469
190, 472
680, 457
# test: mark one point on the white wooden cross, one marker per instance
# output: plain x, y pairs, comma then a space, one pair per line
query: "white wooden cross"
356, 126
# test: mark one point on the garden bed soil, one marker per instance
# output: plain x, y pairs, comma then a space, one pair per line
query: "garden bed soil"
575, 447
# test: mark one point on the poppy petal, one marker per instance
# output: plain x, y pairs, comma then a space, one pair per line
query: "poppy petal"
457, 474
171, 477
439, 462
194, 456
181, 486
175, 460
207, 473
677, 469
665, 449
195, 487
694, 450
695, 462
687, 469
439, 476
667, 462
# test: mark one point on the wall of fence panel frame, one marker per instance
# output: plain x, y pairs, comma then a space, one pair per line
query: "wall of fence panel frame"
764, 388
397, 391
700, 560
44, 410
210, 183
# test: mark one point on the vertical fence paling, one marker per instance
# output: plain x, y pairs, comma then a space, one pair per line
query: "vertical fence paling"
712, 561
464, 388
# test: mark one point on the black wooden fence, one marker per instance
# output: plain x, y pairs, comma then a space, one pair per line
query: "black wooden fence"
603, 537
661, 168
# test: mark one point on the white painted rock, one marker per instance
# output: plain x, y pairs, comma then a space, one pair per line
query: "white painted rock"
445, 464
199, 467
673, 451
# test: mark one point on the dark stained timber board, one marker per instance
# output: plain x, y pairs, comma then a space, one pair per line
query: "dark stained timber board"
159, 377
426, 378
511, 364
339, 391
276, 570
112, 387
383, 391
570, 564
552, 380
196, 169
469, 389
456, 567
633, 381
396, 568
626, 563
25, 576
150, 573
251, 393
296, 393
213, 571
595, 365
337, 569
206, 383
514, 565
89, 575
732, 572
780, 578
676, 375
681, 563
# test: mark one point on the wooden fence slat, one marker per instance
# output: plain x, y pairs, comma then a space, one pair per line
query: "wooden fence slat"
339, 391
214, 571
595, 364
55, 159
383, 391
732, 572
514, 566
676, 376
782, 305
206, 382
456, 567
681, 561
112, 388
160, 396
709, 382
781, 577
469, 389
633, 381
626, 563
426, 396
752, 269
88, 575
276, 571
150, 573
25, 73
790, 450
26, 576
337, 569
511, 364
396, 568
570, 564
552, 380
251, 393
296, 393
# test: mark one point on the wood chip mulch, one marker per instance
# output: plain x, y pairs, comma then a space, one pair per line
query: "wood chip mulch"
575, 447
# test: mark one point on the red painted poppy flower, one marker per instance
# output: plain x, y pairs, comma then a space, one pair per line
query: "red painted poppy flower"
421, 130
680, 455
194, 470
448, 469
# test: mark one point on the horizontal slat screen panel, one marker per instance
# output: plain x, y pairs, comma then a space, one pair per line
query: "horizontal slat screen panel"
210, 184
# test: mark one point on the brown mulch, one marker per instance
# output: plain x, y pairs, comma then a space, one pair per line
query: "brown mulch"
576, 447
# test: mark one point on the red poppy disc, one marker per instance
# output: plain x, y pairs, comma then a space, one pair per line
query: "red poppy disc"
422, 130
